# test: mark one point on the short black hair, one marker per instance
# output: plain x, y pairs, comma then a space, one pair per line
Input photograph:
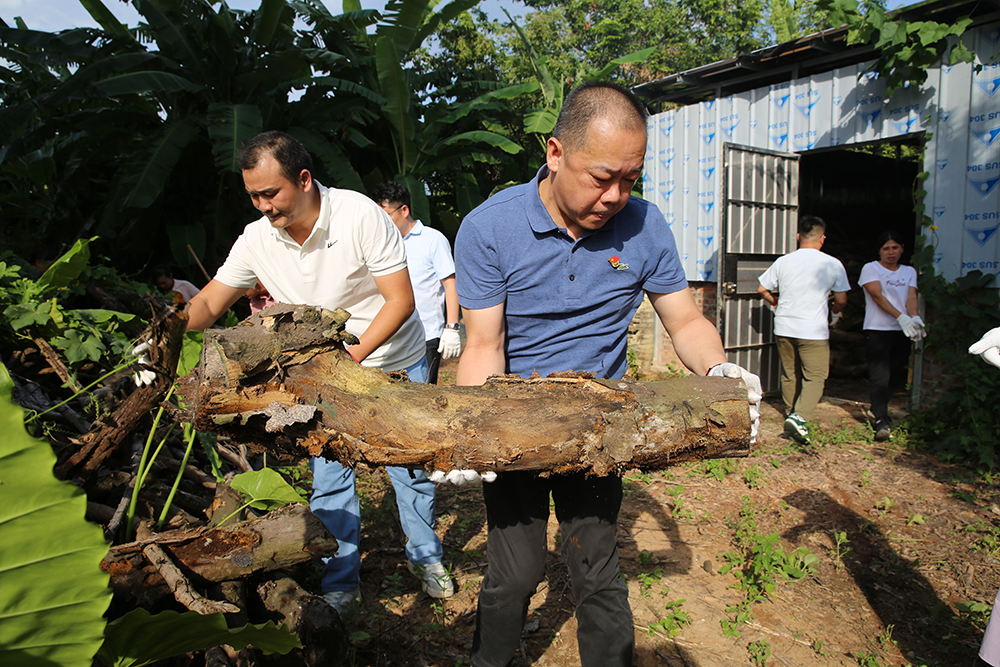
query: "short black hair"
391, 192
288, 151
598, 99
808, 225
160, 270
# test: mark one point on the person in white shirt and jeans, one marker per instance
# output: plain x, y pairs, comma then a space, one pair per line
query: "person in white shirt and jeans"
432, 272
334, 248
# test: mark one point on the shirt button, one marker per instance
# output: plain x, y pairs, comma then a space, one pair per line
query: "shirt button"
572, 277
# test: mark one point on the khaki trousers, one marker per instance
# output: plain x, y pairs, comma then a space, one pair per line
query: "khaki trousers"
805, 365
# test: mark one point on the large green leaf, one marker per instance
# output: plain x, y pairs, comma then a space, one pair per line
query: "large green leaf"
229, 127
331, 157
396, 91
151, 178
267, 19
627, 59
482, 136
265, 489
53, 593
137, 638
419, 203
182, 236
506, 93
106, 19
145, 82
67, 268
540, 121
434, 21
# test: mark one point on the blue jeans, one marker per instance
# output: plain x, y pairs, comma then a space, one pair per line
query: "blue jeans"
335, 501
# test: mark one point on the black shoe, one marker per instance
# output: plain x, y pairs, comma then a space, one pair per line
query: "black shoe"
882, 431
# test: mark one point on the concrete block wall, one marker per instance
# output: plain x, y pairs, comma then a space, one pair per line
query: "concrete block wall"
648, 341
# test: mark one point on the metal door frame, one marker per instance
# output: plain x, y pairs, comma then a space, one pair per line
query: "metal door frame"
759, 224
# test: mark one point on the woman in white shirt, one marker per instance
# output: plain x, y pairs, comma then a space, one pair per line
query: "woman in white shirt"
891, 322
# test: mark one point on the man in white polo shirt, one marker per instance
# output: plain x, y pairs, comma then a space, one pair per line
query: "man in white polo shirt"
432, 272
336, 249
804, 280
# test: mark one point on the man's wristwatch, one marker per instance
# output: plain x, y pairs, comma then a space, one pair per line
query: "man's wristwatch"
452, 326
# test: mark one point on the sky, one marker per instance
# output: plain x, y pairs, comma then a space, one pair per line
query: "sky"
53, 15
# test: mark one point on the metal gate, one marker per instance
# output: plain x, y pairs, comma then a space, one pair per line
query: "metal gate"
759, 223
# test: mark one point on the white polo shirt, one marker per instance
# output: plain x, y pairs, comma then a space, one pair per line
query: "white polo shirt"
352, 242
428, 256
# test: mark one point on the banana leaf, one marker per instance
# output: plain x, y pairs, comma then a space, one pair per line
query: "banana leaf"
53, 593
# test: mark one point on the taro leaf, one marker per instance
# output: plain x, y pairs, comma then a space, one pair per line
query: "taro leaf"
79, 346
265, 489
100, 315
67, 268
53, 593
138, 638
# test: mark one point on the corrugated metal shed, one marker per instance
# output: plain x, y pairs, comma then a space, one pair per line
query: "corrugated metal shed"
837, 102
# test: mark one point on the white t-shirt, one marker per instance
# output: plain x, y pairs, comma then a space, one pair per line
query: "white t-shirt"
185, 289
804, 279
428, 257
895, 288
352, 242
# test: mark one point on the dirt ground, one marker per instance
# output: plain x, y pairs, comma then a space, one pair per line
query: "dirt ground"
919, 541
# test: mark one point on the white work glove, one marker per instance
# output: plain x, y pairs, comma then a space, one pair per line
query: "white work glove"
754, 391
450, 345
834, 318
461, 477
913, 327
988, 347
143, 377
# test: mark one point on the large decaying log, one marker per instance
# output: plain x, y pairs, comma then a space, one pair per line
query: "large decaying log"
280, 539
283, 380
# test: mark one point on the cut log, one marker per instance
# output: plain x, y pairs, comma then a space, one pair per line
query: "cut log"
324, 636
283, 380
280, 539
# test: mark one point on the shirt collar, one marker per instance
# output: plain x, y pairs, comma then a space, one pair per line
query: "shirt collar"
415, 230
538, 216
321, 226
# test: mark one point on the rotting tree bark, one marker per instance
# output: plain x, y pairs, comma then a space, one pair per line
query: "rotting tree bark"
282, 379
280, 539
168, 334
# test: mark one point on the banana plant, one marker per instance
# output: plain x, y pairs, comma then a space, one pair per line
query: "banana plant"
426, 138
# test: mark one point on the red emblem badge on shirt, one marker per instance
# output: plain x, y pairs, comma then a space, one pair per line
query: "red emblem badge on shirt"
617, 263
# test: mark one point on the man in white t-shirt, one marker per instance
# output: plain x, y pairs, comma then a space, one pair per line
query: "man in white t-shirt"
804, 280
432, 272
336, 249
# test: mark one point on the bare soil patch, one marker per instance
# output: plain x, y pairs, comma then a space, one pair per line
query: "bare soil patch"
918, 539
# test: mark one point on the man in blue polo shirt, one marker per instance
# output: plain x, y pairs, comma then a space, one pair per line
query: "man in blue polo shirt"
549, 276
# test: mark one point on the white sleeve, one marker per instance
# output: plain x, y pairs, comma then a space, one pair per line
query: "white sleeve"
379, 241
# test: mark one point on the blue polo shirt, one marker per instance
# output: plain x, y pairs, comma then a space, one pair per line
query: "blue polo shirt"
568, 303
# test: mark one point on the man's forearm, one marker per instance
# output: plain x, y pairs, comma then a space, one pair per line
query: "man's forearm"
698, 345
389, 319
450, 300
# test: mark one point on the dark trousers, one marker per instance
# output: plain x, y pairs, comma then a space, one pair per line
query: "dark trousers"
433, 360
888, 358
517, 510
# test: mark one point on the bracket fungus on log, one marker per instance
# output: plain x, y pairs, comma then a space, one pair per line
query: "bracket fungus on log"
282, 379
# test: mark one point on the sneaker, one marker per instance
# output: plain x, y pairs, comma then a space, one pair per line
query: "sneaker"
882, 432
434, 579
795, 428
341, 600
